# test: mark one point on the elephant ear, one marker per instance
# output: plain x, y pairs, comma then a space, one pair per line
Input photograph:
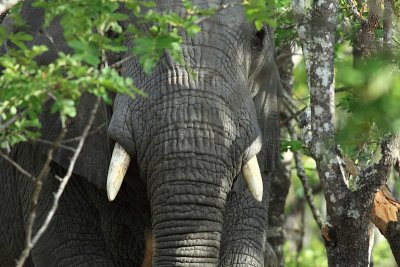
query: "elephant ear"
266, 90
95, 155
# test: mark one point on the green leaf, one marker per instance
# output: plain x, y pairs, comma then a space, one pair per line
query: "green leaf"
291, 145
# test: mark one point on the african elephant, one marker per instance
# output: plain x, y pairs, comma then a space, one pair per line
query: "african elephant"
190, 144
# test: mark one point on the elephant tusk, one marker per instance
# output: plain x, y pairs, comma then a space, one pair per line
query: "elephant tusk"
252, 177
116, 172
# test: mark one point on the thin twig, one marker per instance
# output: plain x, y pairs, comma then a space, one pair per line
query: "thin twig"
51, 143
308, 191
376, 174
294, 116
122, 61
98, 128
63, 184
17, 166
346, 89
396, 41
11, 121
354, 10
35, 198
289, 103
51, 39
222, 7
287, 27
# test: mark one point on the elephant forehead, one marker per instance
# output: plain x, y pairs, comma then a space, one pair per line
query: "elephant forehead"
217, 104
185, 119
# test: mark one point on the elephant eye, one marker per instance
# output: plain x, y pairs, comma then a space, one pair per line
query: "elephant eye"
258, 39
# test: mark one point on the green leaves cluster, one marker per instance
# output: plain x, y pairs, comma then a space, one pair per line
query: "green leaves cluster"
93, 29
79, 18
291, 145
369, 103
26, 86
260, 12
85, 24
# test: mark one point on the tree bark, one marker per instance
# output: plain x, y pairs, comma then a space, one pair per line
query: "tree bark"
388, 23
347, 231
365, 42
393, 237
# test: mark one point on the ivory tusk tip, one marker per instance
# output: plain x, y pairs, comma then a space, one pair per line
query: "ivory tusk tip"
116, 173
258, 195
256, 191
114, 183
111, 194
252, 176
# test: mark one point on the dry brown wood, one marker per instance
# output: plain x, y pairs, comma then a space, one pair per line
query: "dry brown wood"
384, 209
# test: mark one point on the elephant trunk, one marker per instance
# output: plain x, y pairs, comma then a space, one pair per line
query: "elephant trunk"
187, 212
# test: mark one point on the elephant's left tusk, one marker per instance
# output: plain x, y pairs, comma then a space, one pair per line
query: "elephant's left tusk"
252, 176
116, 172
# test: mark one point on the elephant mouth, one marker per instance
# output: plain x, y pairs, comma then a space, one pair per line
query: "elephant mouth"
120, 162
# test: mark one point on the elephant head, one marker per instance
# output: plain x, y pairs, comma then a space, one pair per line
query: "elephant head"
195, 134
203, 126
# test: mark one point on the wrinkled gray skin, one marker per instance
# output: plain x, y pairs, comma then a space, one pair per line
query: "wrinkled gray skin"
188, 140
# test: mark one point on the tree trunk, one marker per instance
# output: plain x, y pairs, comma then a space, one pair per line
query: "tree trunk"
346, 231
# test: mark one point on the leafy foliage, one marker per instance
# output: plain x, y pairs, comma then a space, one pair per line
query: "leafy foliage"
313, 255
260, 12
26, 85
63, 81
291, 145
369, 102
87, 24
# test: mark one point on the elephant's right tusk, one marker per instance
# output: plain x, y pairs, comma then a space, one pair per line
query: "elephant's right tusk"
252, 177
116, 172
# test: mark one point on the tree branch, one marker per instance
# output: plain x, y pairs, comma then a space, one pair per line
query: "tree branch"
122, 61
317, 36
354, 10
17, 166
292, 116
308, 191
376, 175
35, 198
50, 143
29, 245
97, 129
8, 123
